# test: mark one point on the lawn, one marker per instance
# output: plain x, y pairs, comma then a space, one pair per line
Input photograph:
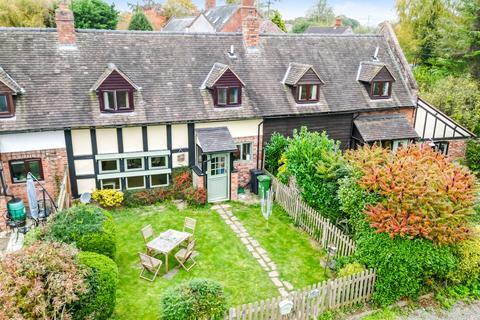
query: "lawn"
296, 255
222, 256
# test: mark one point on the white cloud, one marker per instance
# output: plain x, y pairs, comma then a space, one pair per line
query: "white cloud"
367, 13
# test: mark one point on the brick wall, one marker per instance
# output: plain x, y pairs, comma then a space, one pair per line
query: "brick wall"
234, 186
3, 213
243, 167
54, 162
409, 112
456, 149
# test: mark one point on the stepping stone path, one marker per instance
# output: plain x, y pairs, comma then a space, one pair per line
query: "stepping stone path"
259, 253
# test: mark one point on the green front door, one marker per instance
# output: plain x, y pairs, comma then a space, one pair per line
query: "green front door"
218, 177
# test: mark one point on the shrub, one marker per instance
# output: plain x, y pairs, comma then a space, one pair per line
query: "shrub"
101, 279
273, 152
108, 198
89, 227
350, 269
146, 197
316, 162
197, 299
196, 197
40, 282
181, 182
472, 155
468, 253
403, 266
422, 193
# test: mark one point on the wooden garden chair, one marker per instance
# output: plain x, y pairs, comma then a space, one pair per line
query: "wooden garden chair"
189, 226
184, 255
149, 264
147, 234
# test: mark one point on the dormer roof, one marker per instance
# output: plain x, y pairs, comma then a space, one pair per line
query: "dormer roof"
217, 71
109, 70
9, 82
369, 70
296, 71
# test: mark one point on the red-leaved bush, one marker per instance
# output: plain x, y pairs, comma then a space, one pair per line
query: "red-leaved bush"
40, 282
423, 193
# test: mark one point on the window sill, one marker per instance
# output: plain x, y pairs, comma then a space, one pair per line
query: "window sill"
116, 111
228, 106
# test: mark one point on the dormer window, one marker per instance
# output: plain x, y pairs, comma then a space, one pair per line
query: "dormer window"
304, 81
115, 91
307, 93
377, 78
8, 88
226, 86
6, 105
116, 100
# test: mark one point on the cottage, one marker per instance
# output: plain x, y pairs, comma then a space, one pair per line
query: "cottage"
124, 108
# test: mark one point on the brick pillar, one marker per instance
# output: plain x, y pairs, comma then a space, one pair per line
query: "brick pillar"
65, 24
209, 4
251, 30
234, 186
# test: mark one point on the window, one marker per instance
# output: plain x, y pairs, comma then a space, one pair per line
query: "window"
381, 89
159, 180
244, 152
134, 164
6, 105
441, 146
117, 100
399, 144
113, 183
107, 166
228, 96
158, 162
217, 166
135, 182
20, 168
307, 93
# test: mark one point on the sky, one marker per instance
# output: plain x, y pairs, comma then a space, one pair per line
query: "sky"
368, 12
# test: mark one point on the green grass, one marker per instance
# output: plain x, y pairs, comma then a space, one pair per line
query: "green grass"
296, 255
384, 314
222, 257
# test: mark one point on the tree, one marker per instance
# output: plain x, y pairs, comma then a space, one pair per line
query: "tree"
265, 6
179, 8
140, 22
322, 13
277, 19
27, 13
94, 14
301, 24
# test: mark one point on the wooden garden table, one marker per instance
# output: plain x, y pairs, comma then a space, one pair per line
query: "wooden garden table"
167, 241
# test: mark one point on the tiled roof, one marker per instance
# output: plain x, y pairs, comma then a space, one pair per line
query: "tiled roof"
9, 82
178, 24
215, 140
296, 71
369, 69
329, 30
171, 68
384, 127
219, 15
108, 71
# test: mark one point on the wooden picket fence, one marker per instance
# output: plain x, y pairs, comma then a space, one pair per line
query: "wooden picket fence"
317, 226
63, 200
312, 301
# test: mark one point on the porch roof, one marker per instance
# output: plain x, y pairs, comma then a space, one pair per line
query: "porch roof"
384, 127
218, 139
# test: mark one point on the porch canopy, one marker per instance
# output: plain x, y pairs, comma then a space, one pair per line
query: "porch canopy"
372, 128
214, 140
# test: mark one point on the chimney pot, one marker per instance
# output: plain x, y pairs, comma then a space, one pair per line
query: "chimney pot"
65, 24
209, 4
251, 31
338, 22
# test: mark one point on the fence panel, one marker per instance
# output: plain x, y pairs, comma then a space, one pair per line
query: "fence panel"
312, 301
317, 226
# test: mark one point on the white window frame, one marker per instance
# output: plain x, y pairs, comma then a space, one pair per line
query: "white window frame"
150, 167
139, 169
226, 96
108, 171
102, 185
161, 185
106, 101
396, 143
240, 148
135, 188
5, 98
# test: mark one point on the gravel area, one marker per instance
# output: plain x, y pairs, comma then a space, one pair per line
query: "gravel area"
460, 311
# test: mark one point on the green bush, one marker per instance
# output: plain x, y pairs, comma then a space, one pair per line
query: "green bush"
146, 197
273, 152
403, 266
472, 156
468, 254
316, 162
89, 227
350, 269
197, 299
102, 277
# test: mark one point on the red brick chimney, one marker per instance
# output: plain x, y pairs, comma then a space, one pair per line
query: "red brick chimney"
251, 30
338, 22
248, 3
65, 23
209, 4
